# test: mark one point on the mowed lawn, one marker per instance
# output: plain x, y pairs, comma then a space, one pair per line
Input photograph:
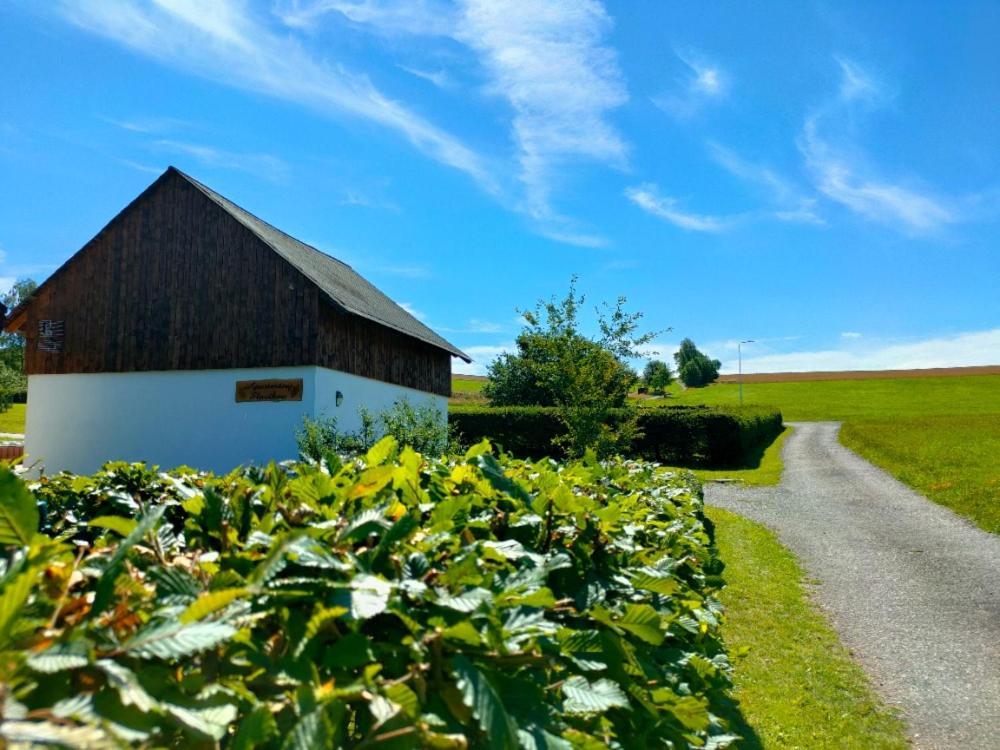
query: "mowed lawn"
12, 420
952, 459
841, 400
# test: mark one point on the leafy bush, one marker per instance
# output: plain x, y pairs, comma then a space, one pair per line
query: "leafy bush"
424, 428
391, 602
715, 437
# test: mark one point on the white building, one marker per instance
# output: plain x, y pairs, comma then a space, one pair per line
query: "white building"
188, 331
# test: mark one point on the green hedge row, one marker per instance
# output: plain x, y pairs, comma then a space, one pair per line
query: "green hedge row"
696, 436
388, 602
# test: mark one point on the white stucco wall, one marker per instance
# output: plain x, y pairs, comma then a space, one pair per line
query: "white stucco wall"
78, 422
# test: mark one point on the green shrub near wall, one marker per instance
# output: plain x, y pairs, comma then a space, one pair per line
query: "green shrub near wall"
717, 437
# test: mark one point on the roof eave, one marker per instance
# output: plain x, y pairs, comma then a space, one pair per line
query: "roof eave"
15, 321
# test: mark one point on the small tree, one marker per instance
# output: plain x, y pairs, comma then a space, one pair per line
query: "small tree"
657, 376
694, 368
557, 365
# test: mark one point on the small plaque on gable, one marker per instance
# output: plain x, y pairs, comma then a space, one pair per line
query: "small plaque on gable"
51, 334
269, 390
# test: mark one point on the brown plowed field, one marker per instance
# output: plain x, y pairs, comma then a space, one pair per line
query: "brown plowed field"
931, 372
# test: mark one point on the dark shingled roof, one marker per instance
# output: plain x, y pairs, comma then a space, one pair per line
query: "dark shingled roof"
337, 280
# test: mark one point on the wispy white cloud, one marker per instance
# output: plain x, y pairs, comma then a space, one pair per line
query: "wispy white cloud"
855, 82
475, 325
958, 350
793, 204
843, 177
548, 60
418, 314
439, 78
425, 17
570, 237
850, 335
408, 272
482, 356
355, 197
225, 42
703, 82
837, 177
647, 197
264, 165
151, 125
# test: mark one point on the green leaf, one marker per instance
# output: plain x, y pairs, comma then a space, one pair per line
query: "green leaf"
320, 619
482, 699
582, 697
211, 601
256, 729
463, 631
124, 680
311, 732
13, 597
405, 698
649, 579
48, 734
118, 524
494, 473
371, 481
467, 601
369, 596
106, 584
59, 658
210, 720
18, 510
381, 451
642, 621
172, 640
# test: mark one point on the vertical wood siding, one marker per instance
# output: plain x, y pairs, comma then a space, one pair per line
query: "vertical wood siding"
175, 283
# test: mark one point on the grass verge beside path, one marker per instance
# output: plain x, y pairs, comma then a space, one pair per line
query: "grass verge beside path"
796, 685
12, 420
953, 460
767, 470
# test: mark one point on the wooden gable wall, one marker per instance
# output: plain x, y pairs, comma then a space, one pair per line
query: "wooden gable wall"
176, 283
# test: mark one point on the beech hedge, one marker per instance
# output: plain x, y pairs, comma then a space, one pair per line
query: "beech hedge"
387, 601
695, 436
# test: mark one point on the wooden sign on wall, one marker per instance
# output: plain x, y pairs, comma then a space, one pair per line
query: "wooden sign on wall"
269, 390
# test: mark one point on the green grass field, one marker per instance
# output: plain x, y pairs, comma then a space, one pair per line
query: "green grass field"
796, 685
840, 400
12, 420
952, 459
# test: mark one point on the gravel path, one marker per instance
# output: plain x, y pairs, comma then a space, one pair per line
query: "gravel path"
912, 589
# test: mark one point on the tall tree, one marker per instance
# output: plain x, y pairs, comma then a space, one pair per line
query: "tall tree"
694, 368
12, 344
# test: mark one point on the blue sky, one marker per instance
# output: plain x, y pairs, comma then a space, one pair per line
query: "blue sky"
823, 178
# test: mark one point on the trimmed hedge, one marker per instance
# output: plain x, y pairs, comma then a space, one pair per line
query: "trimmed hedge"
696, 436
390, 601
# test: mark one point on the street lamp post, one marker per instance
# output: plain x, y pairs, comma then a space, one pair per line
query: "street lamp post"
739, 351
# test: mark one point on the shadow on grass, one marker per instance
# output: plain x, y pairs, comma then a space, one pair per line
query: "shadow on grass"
729, 710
